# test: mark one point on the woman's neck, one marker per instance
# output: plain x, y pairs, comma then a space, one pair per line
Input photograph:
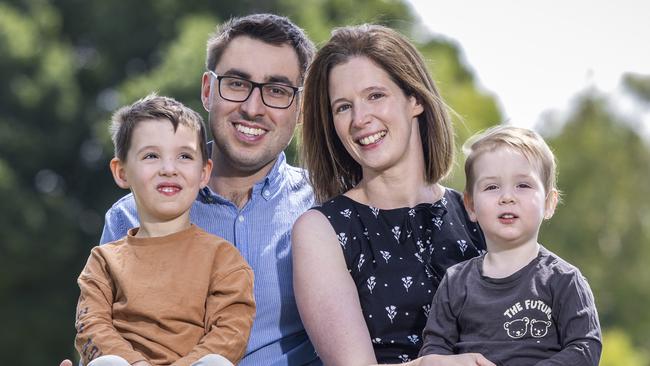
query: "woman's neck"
388, 193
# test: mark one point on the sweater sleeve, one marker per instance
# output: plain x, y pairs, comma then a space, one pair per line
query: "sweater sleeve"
230, 310
578, 324
96, 335
440, 333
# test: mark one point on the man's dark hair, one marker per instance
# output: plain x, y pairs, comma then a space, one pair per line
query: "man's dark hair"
269, 28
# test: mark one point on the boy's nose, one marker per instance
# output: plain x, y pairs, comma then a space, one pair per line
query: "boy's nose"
168, 167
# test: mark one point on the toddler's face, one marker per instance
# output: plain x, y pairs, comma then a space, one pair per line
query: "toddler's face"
508, 198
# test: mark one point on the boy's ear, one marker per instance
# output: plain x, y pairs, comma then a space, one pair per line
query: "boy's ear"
469, 206
550, 204
119, 174
206, 173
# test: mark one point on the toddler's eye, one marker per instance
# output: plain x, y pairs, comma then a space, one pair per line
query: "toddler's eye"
490, 187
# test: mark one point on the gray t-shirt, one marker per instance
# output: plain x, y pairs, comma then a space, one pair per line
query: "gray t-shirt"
543, 314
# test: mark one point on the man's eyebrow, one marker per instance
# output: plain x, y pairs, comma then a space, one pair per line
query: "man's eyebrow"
237, 72
281, 79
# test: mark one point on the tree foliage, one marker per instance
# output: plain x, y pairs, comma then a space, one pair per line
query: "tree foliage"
66, 65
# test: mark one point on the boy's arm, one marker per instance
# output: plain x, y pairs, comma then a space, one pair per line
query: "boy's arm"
440, 333
577, 324
96, 335
230, 310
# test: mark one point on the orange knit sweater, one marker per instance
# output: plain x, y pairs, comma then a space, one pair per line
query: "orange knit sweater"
170, 299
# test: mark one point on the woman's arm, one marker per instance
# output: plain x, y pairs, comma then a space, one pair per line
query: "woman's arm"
326, 295
328, 301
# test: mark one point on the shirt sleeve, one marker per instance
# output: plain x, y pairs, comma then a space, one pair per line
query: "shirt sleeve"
230, 310
577, 323
96, 335
440, 333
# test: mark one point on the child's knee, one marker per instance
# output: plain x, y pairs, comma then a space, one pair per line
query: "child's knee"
109, 360
213, 360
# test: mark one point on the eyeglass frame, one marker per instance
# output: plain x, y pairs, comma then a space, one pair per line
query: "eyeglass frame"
254, 85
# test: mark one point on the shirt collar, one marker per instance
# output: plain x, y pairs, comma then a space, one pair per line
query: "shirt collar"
266, 188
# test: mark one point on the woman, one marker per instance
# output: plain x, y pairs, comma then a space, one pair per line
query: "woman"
377, 138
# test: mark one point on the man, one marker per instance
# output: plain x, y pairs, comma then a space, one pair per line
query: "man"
255, 65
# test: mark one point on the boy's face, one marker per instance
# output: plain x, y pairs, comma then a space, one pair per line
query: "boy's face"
249, 135
508, 198
164, 170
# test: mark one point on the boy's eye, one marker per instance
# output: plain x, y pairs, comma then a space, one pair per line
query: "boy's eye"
523, 185
186, 156
150, 156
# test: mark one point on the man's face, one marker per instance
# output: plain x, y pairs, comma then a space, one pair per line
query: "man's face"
249, 135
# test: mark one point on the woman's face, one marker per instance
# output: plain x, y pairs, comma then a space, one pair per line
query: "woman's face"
376, 122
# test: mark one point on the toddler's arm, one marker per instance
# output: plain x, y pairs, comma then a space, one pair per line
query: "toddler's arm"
96, 335
440, 333
577, 324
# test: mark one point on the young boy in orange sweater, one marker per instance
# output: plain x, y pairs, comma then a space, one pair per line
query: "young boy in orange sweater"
168, 292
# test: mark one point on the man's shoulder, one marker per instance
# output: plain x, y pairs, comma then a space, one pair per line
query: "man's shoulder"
296, 176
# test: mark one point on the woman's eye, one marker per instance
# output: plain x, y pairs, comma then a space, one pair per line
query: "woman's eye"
375, 96
342, 108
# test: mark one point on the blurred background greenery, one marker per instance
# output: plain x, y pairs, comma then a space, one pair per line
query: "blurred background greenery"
65, 65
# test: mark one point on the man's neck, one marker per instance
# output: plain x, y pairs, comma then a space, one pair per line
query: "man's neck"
236, 184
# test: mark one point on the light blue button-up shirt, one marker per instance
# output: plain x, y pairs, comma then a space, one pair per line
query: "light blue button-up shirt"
261, 231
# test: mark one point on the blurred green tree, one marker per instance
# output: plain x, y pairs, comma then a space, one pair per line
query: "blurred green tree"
603, 224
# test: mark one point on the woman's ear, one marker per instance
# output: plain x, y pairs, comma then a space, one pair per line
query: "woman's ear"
416, 106
119, 173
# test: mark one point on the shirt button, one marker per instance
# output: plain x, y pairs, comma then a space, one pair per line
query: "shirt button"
240, 218
267, 193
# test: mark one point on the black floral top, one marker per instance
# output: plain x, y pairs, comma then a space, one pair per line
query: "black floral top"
397, 258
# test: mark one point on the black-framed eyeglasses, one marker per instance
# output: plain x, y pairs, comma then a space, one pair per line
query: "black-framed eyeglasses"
274, 95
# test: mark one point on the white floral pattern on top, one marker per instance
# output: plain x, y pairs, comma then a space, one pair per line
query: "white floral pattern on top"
397, 258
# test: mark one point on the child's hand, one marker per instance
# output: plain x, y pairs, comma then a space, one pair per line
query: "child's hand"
141, 363
466, 359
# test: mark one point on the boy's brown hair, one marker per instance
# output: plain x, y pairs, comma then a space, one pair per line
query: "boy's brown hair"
154, 107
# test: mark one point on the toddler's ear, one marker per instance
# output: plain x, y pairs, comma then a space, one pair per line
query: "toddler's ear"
119, 174
551, 202
469, 206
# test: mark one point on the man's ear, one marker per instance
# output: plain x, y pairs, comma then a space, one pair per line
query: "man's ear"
551, 202
119, 174
469, 206
206, 91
